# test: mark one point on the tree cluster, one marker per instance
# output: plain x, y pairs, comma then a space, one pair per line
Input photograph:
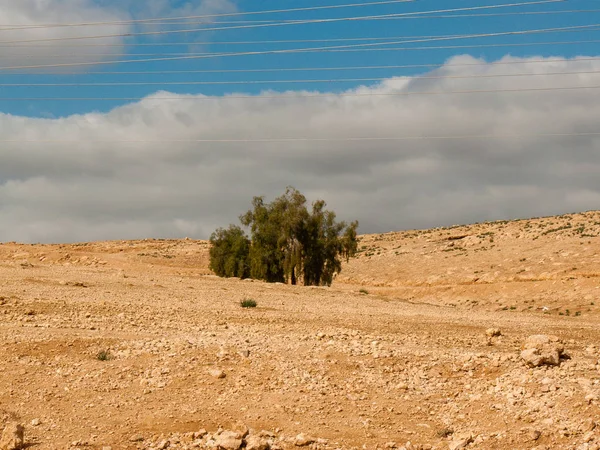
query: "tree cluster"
287, 244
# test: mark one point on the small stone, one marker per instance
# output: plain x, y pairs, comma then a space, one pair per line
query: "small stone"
13, 437
534, 435
303, 440
241, 429
588, 425
107, 447
35, 422
256, 443
136, 438
460, 442
493, 332
228, 440
217, 373
163, 445
587, 437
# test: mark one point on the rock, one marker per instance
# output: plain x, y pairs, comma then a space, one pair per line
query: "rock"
228, 440
541, 350
303, 440
136, 438
534, 435
200, 433
460, 442
256, 443
241, 429
217, 373
493, 332
588, 425
13, 437
35, 422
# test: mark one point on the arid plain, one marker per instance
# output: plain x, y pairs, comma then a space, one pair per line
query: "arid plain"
134, 344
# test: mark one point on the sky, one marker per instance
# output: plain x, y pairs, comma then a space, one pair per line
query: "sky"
175, 148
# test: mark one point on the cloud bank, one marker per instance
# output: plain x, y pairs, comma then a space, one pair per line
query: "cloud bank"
87, 190
21, 20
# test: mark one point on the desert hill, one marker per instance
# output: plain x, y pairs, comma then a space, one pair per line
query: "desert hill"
134, 344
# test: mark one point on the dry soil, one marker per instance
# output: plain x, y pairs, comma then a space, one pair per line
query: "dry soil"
134, 344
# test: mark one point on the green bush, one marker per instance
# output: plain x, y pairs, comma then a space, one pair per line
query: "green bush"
103, 355
248, 303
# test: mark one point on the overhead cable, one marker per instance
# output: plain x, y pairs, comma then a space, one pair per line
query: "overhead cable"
382, 40
319, 50
448, 16
200, 17
321, 69
297, 22
299, 139
302, 95
307, 81
297, 50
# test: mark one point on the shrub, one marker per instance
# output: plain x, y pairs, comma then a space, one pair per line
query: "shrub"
103, 355
248, 303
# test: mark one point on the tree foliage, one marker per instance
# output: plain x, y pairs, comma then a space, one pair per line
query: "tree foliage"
288, 243
229, 252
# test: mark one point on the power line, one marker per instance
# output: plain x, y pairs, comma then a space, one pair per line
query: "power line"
300, 95
201, 17
329, 80
449, 16
318, 50
298, 22
296, 139
320, 69
382, 40
299, 50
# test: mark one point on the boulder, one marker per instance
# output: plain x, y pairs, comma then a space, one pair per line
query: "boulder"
541, 349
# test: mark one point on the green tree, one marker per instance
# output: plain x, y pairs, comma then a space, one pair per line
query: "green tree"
325, 242
289, 243
266, 258
230, 252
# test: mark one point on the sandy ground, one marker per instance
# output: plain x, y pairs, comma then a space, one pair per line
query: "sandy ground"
125, 344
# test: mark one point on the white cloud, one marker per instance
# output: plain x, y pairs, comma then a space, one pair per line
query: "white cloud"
23, 20
87, 190
33, 13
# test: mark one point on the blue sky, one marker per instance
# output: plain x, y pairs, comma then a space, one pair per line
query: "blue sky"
354, 29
